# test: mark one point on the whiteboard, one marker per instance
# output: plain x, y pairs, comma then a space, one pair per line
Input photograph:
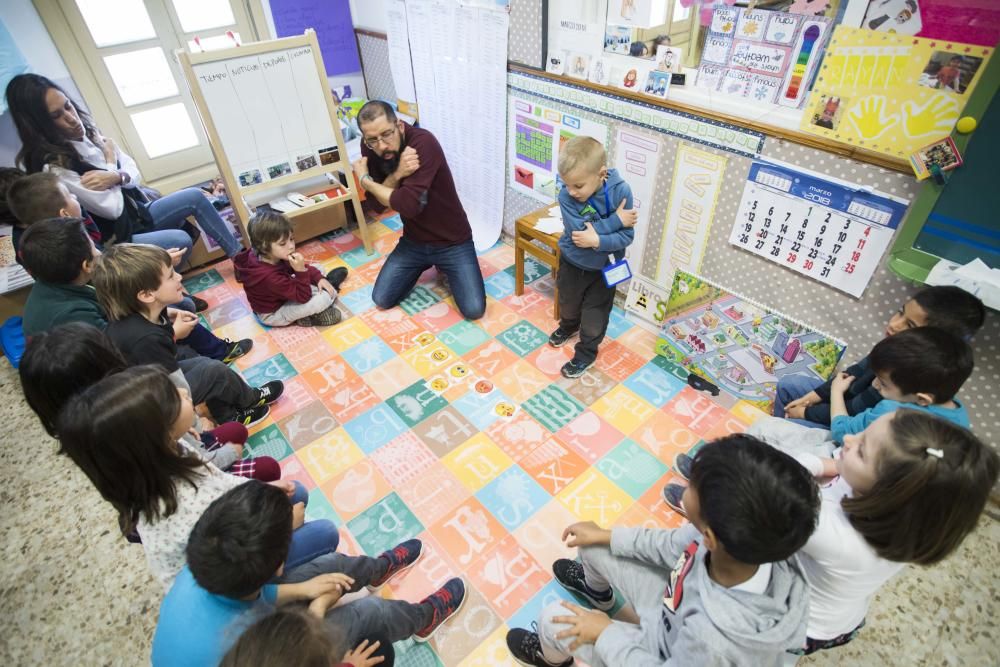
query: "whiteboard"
270, 112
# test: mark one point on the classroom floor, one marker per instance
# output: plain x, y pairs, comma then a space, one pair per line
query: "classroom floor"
413, 422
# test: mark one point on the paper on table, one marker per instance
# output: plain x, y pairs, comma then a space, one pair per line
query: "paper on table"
549, 225
556, 212
975, 278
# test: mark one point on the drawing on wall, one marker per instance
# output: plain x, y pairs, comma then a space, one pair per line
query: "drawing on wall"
895, 93
740, 345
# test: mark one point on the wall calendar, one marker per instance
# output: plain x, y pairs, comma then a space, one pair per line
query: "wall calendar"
832, 231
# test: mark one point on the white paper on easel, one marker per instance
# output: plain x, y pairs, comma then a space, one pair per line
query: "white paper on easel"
975, 278
399, 50
636, 158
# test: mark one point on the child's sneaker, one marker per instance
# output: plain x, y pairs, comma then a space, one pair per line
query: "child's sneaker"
327, 318
337, 277
269, 393
252, 415
560, 337
672, 494
569, 573
200, 305
400, 558
682, 464
236, 350
526, 648
574, 368
445, 602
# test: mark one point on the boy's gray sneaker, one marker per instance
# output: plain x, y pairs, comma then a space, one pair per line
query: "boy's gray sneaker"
560, 337
682, 464
672, 494
569, 573
327, 318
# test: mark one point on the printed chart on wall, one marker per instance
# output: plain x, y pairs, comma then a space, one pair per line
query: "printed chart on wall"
270, 113
740, 345
891, 93
535, 135
832, 231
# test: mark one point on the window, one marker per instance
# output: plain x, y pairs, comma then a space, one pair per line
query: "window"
121, 55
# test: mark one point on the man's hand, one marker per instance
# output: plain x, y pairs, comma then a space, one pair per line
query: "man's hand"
183, 324
585, 533
100, 180
586, 625
628, 216
360, 167
587, 238
176, 255
325, 285
409, 162
361, 656
297, 262
298, 515
841, 383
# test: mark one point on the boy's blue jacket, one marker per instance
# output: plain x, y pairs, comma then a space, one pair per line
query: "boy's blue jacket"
599, 211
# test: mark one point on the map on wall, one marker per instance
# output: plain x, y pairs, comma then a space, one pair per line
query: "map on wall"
739, 345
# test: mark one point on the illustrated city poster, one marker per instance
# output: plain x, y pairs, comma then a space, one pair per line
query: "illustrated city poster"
739, 345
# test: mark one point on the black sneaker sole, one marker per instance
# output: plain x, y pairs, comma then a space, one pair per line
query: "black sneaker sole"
553, 343
461, 604
596, 604
397, 573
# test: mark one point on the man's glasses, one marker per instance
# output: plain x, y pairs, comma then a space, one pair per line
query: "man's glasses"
384, 138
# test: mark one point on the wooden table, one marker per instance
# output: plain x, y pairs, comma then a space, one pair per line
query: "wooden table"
547, 253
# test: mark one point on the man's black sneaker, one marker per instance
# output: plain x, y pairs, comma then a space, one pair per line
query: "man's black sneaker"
569, 573
337, 277
560, 337
526, 648
252, 415
236, 350
269, 393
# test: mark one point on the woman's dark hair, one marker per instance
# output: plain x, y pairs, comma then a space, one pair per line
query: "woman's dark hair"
60, 363
118, 433
41, 141
286, 638
934, 479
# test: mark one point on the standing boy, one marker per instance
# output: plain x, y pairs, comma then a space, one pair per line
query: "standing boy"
595, 236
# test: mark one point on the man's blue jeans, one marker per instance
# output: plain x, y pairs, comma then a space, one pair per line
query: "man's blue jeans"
458, 263
791, 387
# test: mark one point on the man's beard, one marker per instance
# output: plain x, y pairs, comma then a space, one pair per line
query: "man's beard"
389, 166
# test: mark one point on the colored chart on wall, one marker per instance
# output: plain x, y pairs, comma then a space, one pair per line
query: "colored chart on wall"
535, 134
833, 232
741, 346
890, 93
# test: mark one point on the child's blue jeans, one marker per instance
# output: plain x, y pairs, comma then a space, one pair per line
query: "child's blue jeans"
313, 538
791, 387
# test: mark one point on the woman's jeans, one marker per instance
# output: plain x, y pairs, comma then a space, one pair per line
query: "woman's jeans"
170, 212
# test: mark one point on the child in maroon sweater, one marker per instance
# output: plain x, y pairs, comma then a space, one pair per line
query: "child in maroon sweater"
281, 289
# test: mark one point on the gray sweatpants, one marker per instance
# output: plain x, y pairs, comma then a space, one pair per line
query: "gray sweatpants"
641, 584
793, 438
219, 386
291, 312
369, 617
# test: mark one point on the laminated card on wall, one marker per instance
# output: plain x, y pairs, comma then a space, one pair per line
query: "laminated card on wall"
831, 231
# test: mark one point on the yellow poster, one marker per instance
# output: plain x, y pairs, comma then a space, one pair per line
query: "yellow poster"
891, 93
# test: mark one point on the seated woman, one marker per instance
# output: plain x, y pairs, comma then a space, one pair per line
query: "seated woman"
59, 137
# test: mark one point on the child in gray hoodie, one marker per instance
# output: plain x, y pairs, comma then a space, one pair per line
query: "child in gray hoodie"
718, 591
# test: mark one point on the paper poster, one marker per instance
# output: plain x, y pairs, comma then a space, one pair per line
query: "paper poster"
669, 59
693, 195
637, 13
636, 159
646, 302
399, 50
785, 47
975, 23
891, 93
739, 345
826, 229
535, 134
333, 26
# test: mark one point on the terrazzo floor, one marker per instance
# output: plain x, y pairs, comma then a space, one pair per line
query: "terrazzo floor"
413, 422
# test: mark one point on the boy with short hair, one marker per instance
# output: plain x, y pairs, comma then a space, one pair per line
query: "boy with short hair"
281, 288
239, 545
806, 400
720, 590
42, 196
135, 283
595, 236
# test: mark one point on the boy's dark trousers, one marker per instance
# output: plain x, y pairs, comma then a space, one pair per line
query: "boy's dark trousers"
585, 303
216, 384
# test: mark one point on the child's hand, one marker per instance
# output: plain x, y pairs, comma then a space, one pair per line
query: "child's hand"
298, 515
297, 262
586, 238
585, 533
362, 655
176, 255
332, 584
184, 324
409, 162
812, 398
628, 216
285, 485
585, 624
238, 449
326, 287
841, 383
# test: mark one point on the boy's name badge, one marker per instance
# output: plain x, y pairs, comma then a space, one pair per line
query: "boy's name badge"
616, 273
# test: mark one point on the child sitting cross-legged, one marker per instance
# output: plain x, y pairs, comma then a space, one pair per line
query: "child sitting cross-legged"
918, 369
281, 288
718, 591
236, 566
135, 283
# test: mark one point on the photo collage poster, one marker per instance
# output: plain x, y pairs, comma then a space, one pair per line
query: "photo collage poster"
763, 56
